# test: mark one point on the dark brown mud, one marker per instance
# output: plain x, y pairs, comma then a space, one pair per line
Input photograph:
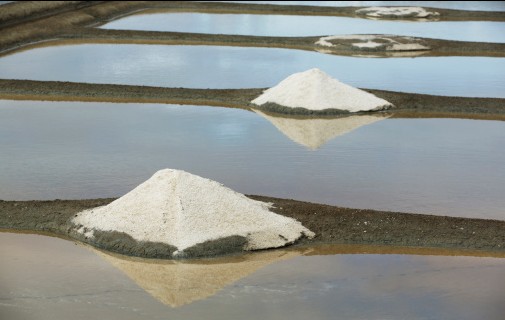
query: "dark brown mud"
332, 225
30, 22
409, 105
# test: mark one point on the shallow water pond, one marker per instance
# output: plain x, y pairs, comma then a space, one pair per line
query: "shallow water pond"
286, 25
48, 278
459, 5
74, 150
233, 67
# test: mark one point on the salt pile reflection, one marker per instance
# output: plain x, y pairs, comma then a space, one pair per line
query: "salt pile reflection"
313, 133
177, 283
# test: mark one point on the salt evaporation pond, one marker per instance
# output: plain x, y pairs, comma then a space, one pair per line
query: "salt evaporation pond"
285, 26
234, 67
48, 278
458, 5
74, 150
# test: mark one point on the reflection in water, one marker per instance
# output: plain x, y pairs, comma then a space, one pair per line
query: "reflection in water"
47, 278
77, 150
283, 26
313, 133
221, 67
176, 283
459, 5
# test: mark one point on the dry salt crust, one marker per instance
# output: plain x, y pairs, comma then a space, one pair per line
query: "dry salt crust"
182, 210
369, 41
315, 90
397, 12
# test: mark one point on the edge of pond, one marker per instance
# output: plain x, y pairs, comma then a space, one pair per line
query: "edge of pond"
332, 225
27, 23
409, 105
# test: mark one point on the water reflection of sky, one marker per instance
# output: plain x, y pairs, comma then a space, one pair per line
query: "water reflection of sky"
48, 278
89, 150
460, 5
232, 67
289, 25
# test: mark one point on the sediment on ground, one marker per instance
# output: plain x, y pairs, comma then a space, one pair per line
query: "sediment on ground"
256, 8
25, 24
435, 47
409, 105
331, 224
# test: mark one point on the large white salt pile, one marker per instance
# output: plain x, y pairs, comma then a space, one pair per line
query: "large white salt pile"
315, 90
181, 209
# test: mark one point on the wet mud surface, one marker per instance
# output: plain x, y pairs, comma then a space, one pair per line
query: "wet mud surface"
33, 22
408, 105
332, 225
38, 22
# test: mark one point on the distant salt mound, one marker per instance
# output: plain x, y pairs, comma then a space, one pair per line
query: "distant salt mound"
182, 210
372, 42
315, 90
397, 12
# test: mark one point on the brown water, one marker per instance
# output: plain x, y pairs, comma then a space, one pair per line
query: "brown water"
48, 278
74, 150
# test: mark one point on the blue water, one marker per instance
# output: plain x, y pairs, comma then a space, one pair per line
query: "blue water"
459, 5
289, 25
74, 150
234, 67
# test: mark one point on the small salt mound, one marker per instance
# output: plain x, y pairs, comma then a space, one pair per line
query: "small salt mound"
181, 209
374, 42
315, 90
397, 12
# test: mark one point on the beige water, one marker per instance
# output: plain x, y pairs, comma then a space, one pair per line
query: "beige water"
48, 278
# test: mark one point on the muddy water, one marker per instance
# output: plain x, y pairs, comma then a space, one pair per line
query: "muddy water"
73, 150
232, 67
48, 278
283, 25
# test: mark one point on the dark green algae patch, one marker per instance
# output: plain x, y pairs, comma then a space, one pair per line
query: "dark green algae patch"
331, 224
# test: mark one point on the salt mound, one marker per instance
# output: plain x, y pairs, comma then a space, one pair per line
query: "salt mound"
315, 90
180, 209
397, 12
375, 42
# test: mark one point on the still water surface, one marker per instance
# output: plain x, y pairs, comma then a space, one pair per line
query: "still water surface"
74, 150
233, 67
298, 26
459, 5
48, 278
